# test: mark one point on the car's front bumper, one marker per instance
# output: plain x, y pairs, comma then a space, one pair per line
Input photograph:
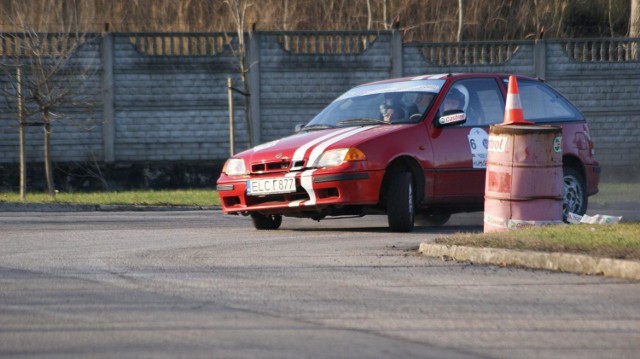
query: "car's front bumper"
315, 190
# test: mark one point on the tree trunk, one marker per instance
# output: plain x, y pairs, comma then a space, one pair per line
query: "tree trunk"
285, 16
21, 135
634, 26
369, 20
23, 162
460, 19
244, 72
48, 170
610, 19
285, 23
384, 15
238, 10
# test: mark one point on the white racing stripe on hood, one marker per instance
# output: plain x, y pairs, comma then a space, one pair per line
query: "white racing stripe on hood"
306, 180
299, 154
313, 157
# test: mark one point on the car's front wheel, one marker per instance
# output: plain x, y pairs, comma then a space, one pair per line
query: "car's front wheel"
400, 202
261, 221
575, 193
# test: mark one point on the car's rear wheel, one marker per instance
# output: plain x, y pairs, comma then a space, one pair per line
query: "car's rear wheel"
432, 219
268, 222
400, 202
575, 198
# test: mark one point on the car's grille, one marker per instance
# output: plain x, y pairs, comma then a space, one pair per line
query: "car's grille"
272, 167
268, 167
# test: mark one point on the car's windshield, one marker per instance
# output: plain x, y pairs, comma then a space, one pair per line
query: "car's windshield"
387, 103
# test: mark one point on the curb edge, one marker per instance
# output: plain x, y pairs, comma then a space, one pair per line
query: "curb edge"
564, 262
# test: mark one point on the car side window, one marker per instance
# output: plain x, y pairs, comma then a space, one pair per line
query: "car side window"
540, 103
492, 104
484, 103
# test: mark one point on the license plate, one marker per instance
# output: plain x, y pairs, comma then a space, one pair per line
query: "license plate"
271, 186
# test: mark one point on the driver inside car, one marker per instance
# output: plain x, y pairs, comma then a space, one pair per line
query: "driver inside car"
422, 101
455, 100
420, 104
390, 111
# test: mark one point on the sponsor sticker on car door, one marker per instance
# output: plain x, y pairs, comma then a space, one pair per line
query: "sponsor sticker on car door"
478, 143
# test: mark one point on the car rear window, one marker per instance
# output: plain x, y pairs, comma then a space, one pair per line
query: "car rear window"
541, 103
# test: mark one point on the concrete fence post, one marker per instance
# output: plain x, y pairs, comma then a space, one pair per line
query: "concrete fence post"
108, 121
540, 59
396, 54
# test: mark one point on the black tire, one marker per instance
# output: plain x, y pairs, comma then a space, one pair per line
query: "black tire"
262, 222
574, 199
432, 219
401, 202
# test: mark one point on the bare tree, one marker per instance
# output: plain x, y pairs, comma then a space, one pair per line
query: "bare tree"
38, 66
425, 20
238, 11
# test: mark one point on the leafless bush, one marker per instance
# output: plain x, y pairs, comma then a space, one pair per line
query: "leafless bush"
37, 64
424, 20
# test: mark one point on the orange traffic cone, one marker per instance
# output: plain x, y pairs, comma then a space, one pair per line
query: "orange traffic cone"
513, 113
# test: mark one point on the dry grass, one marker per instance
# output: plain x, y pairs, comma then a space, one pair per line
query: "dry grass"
621, 241
204, 197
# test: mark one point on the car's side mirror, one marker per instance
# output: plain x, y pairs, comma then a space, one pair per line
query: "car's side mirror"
451, 118
298, 128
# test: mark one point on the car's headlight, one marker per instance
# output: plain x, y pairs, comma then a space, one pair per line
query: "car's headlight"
234, 167
338, 156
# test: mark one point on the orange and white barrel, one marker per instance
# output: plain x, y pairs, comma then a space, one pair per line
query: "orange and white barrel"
524, 182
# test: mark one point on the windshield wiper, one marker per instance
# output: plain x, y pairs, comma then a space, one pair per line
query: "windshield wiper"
317, 127
362, 121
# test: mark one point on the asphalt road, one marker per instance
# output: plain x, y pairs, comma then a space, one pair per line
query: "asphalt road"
200, 284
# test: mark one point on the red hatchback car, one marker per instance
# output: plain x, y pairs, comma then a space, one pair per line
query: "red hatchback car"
400, 147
